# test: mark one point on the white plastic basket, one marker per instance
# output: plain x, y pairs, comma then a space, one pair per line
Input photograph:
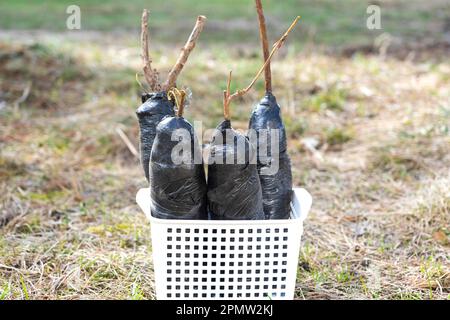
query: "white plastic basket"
212, 259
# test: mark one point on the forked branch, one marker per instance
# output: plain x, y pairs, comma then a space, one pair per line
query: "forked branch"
228, 97
188, 47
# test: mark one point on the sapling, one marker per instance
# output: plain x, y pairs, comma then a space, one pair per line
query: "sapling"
234, 189
156, 105
273, 162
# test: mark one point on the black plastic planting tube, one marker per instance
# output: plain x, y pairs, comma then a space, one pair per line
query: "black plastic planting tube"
234, 190
276, 187
155, 106
178, 188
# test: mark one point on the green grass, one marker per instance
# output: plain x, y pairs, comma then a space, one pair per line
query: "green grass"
324, 21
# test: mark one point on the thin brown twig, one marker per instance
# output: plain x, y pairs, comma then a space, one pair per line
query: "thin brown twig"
264, 44
151, 75
188, 47
227, 97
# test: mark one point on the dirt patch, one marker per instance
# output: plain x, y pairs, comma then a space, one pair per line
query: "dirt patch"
42, 78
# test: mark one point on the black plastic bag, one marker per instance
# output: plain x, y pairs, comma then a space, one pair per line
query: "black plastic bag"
155, 106
276, 187
234, 190
178, 189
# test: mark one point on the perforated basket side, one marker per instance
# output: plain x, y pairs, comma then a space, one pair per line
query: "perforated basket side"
227, 259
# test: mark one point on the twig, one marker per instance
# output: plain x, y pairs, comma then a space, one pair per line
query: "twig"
127, 142
151, 75
264, 44
188, 47
179, 96
23, 97
227, 97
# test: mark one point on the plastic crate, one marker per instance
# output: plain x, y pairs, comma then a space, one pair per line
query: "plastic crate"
232, 259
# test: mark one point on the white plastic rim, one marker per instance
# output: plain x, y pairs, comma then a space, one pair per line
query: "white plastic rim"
227, 259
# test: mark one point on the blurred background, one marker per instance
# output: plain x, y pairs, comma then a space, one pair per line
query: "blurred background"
367, 112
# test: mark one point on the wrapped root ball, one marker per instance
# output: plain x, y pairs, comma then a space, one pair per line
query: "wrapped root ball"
178, 184
274, 165
234, 190
154, 108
